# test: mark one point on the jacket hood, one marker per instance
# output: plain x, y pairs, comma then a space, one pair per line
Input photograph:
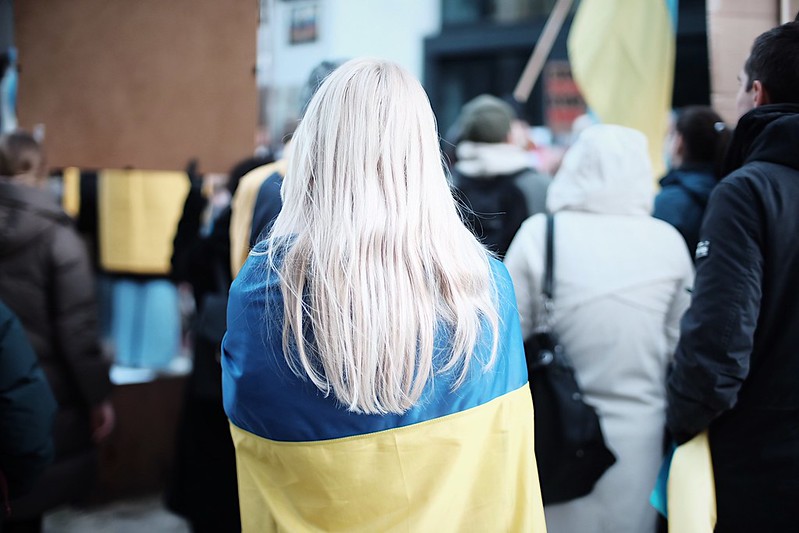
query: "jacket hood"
488, 160
606, 171
25, 213
769, 133
697, 180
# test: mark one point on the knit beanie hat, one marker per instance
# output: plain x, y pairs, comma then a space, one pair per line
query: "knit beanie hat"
486, 119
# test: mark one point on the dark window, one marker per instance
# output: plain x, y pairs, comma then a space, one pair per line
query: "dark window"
457, 12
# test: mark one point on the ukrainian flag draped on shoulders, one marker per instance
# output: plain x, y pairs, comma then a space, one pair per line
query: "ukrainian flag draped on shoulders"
457, 461
622, 58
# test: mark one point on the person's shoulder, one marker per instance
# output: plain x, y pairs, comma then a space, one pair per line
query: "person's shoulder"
66, 243
754, 174
500, 276
663, 230
741, 187
261, 268
531, 231
534, 226
270, 187
251, 182
671, 201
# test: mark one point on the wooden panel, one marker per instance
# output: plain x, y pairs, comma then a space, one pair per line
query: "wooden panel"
733, 26
145, 84
137, 458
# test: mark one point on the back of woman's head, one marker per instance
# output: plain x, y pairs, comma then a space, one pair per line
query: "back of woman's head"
370, 248
20, 155
704, 136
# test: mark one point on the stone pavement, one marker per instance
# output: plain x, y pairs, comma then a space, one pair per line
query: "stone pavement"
127, 516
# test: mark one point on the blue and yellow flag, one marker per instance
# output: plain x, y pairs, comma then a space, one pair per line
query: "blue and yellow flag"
622, 58
458, 461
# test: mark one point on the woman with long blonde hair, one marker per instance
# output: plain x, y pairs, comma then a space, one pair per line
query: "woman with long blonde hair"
374, 374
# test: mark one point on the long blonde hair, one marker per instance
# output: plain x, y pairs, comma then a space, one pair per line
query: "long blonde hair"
371, 252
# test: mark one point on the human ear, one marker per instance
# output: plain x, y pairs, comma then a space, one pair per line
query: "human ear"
760, 94
679, 145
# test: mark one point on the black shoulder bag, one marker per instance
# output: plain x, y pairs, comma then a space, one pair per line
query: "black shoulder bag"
569, 445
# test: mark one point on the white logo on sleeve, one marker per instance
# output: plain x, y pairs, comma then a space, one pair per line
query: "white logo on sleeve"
702, 249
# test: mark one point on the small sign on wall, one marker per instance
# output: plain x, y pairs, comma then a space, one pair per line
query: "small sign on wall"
303, 27
564, 103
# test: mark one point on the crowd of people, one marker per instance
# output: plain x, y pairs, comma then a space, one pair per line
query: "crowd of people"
362, 312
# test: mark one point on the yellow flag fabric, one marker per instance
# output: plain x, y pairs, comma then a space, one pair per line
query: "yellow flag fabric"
139, 211
242, 207
691, 488
442, 475
622, 58
70, 199
458, 460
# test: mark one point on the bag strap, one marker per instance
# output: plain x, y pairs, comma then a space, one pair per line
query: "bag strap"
548, 288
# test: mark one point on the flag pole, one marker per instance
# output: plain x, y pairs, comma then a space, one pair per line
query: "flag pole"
542, 49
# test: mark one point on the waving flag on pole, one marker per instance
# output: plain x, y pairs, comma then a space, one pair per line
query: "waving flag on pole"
622, 58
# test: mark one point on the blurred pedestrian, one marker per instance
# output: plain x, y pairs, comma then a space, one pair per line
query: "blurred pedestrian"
736, 371
493, 175
373, 367
204, 454
620, 280
697, 143
257, 201
46, 279
27, 409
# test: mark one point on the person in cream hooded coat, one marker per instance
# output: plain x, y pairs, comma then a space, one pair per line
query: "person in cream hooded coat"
621, 285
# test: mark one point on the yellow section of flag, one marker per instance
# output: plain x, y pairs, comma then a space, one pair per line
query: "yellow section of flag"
139, 212
470, 471
691, 488
622, 58
70, 200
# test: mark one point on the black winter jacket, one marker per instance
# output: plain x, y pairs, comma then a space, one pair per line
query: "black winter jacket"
682, 200
736, 369
497, 205
268, 204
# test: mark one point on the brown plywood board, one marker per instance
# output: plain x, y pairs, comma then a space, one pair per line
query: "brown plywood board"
145, 84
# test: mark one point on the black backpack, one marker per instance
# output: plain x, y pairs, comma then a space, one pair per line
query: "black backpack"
494, 208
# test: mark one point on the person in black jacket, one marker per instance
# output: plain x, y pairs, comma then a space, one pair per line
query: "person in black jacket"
736, 370
698, 142
27, 411
203, 485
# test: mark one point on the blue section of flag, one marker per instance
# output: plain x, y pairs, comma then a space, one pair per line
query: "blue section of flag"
263, 396
659, 497
674, 10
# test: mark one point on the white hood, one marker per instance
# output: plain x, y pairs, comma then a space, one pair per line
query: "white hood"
477, 160
606, 171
